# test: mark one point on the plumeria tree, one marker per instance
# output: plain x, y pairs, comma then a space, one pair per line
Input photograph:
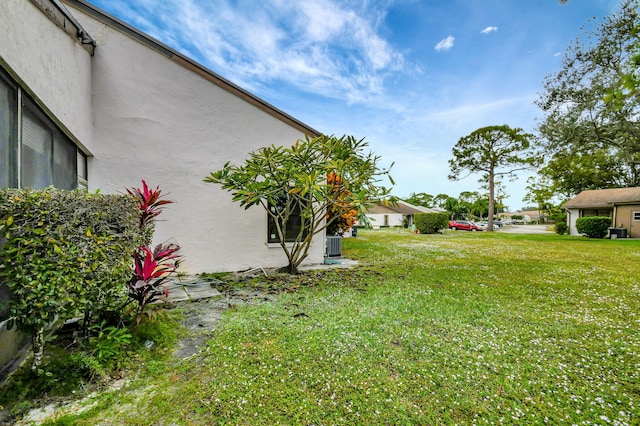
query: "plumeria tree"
300, 184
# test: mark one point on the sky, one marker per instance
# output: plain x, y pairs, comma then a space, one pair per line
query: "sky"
412, 77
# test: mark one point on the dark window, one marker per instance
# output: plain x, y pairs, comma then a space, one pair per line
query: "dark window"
636, 216
597, 212
294, 224
47, 156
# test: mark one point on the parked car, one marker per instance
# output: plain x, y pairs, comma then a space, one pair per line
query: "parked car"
484, 225
464, 225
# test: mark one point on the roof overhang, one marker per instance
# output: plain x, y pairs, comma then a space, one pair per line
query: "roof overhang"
190, 64
61, 16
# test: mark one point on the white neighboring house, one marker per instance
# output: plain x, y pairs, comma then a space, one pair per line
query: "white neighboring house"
87, 101
393, 215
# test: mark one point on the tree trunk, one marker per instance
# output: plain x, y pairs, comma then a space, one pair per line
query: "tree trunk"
37, 343
291, 268
492, 201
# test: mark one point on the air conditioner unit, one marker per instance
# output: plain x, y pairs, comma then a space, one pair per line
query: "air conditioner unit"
617, 233
334, 246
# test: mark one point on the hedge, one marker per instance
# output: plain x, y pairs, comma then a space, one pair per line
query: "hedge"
66, 254
430, 223
593, 226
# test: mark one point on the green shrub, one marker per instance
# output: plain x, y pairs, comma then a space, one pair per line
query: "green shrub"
430, 223
593, 226
561, 228
558, 216
65, 254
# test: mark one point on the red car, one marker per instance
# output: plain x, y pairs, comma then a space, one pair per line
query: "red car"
464, 225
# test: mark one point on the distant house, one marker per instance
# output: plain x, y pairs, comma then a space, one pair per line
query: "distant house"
621, 204
528, 216
391, 215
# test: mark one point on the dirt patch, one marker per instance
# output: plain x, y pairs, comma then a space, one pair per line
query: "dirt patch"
202, 316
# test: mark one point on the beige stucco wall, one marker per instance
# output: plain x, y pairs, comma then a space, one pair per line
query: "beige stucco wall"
624, 219
51, 64
156, 120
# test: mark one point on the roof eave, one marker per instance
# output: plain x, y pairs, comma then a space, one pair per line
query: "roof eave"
192, 66
63, 18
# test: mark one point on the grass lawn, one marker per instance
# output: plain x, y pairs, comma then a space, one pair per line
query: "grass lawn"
460, 328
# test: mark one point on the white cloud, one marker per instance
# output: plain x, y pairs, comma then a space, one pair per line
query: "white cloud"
489, 30
325, 47
445, 44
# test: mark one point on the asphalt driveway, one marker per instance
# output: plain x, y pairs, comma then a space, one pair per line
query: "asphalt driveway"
526, 229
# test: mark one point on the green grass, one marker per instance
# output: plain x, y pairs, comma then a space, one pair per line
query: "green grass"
461, 328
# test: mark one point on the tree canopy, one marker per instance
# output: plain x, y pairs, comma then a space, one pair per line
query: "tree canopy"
591, 108
302, 183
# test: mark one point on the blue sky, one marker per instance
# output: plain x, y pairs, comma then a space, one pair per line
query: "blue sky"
410, 76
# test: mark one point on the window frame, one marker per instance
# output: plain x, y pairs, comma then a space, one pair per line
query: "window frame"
294, 223
12, 149
597, 212
22, 105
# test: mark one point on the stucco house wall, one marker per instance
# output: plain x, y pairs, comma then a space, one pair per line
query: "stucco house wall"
160, 118
51, 65
53, 68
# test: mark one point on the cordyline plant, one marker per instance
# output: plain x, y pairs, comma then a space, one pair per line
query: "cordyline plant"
150, 203
151, 268
291, 184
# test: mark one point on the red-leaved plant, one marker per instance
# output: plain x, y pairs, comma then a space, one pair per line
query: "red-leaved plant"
150, 203
150, 272
151, 268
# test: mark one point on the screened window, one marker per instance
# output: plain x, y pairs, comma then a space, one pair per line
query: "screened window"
8, 133
636, 216
34, 153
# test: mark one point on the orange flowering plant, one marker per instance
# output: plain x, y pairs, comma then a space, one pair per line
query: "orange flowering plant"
342, 215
